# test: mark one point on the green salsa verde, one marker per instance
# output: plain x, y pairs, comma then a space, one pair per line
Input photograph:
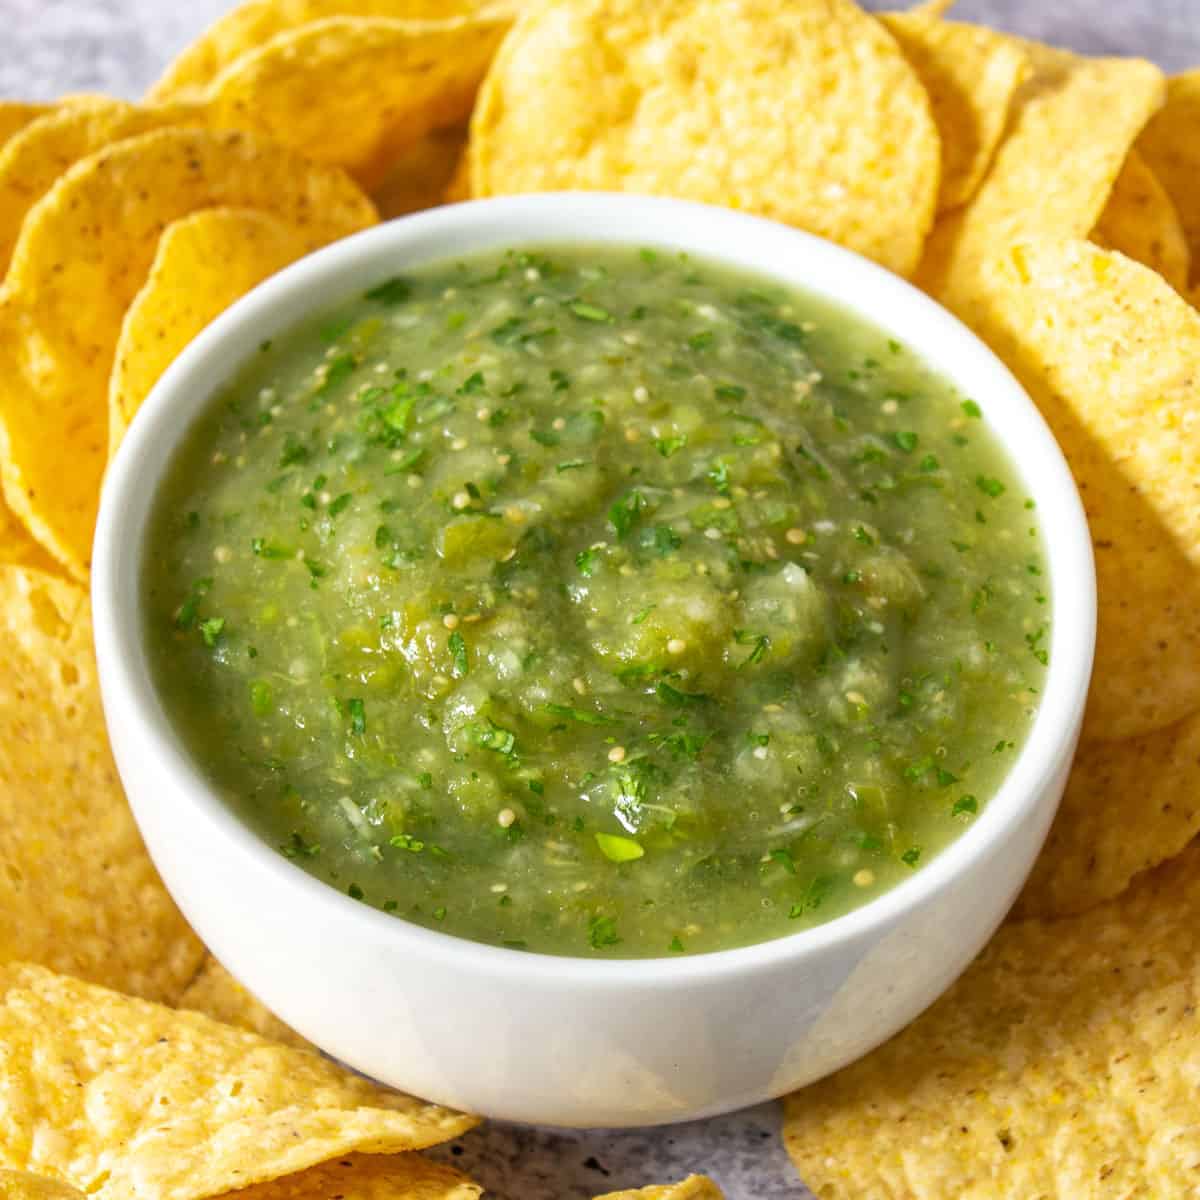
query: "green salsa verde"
597, 602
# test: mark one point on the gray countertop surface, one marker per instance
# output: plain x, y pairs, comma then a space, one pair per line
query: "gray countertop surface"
119, 46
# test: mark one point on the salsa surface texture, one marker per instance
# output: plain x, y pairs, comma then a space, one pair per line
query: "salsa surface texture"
598, 602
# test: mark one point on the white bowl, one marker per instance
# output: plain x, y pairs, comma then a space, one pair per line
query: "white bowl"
546, 1039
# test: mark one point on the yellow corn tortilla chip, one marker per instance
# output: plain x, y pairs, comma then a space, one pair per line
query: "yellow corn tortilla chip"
383, 84
971, 74
252, 24
78, 892
1062, 1064
16, 114
129, 1100
20, 1185
1147, 667
17, 547
363, 1177
694, 1187
1170, 145
458, 188
84, 252
1110, 354
204, 263
1129, 805
801, 110
1123, 350
32, 161
421, 177
1054, 169
1140, 221
354, 1177
217, 994
932, 8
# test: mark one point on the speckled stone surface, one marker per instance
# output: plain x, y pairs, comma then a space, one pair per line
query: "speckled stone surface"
48, 47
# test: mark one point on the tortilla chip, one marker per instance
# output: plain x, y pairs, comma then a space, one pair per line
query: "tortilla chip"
20, 1185
364, 1177
17, 547
252, 24
133, 1101
421, 177
1147, 668
932, 8
801, 110
32, 162
1170, 145
383, 85
1123, 350
78, 892
1140, 221
16, 114
217, 994
84, 251
1129, 805
458, 188
694, 1187
1054, 169
1063, 1063
204, 263
971, 74
1110, 353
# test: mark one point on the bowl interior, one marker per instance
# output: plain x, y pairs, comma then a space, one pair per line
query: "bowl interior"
742, 242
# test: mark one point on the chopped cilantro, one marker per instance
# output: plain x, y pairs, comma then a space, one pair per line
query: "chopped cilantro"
391, 291
589, 312
458, 653
583, 716
625, 511
211, 629
602, 931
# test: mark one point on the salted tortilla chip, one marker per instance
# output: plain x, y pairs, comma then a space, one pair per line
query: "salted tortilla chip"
78, 891
17, 547
20, 1185
16, 114
204, 263
458, 188
694, 1187
217, 994
1110, 353
383, 85
1053, 171
364, 1177
1147, 667
1063, 1063
1123, 351
1140, 221
33, 161
1170, 145
422, 175
84, 252
1129, 805
801, 110
252, 24
971, 74
129, 1100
